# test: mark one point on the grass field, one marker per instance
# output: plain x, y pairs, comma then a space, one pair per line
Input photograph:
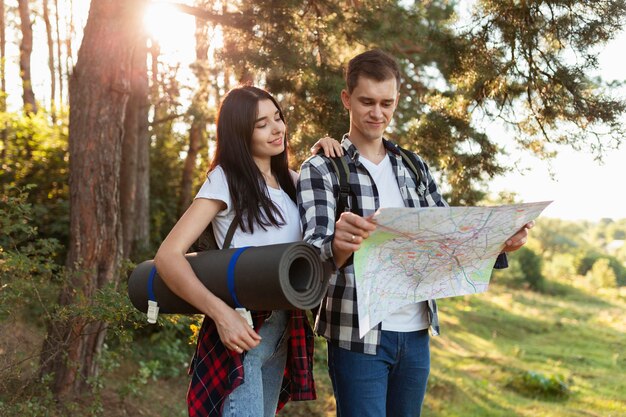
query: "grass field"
567, 346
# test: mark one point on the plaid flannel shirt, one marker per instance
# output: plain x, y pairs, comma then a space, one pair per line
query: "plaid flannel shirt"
217, 371
318, 188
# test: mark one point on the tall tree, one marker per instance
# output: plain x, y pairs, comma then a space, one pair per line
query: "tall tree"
46, 19
135, 178
3, 44
509, 61
58, 51
99, 91
4, 137
70, 34
198, 112
26, 49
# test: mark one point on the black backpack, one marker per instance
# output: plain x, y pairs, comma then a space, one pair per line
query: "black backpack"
207, 240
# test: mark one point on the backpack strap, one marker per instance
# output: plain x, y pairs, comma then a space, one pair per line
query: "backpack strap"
411, 161
207, 240
342, 171
230, 233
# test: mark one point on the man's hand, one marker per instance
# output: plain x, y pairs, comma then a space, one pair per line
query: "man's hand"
519, 239
350, 231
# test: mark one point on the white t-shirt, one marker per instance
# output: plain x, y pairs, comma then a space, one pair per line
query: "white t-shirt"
410, 317
216, 188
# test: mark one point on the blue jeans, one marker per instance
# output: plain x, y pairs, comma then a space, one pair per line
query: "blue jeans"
391, 383
263, 372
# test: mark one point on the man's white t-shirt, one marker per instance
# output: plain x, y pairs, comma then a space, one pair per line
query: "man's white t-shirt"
414, 316
215, 187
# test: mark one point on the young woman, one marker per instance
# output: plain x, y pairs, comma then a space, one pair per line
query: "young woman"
239, 370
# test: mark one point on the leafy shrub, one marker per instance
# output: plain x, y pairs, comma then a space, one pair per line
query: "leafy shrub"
537, 385
601, 275
524, 268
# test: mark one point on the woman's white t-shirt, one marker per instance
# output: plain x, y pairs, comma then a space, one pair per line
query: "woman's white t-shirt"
216, 188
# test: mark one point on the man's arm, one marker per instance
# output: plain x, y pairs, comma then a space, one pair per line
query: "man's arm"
316, 204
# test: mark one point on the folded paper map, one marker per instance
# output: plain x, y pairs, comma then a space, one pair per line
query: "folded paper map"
418, 254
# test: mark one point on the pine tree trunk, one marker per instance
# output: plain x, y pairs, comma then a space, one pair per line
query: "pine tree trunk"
99, 91
135, 184
26, 49
3, 45
46, 19
59, 55
70, 33
3, 84
198, 110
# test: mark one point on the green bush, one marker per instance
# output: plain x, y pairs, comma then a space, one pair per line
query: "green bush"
537, 385
601, 275
525, 267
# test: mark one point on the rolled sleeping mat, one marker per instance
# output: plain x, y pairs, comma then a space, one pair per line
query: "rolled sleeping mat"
273, 277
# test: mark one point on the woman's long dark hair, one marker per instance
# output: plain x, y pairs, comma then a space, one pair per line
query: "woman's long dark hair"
235, 124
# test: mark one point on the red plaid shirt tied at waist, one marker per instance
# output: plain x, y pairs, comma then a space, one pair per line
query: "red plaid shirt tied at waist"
216, 371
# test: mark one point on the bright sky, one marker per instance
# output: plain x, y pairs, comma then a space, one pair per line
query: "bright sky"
581, 187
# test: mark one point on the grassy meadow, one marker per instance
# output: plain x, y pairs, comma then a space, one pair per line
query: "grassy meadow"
515, 352
508, 352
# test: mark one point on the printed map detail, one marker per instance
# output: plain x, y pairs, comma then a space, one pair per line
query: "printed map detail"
418, 254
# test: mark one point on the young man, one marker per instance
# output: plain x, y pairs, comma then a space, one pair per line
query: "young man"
384, 373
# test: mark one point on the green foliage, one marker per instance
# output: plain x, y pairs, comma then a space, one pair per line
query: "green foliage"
601, 274
524, 267
510, 61
555, 236
537, 385
560, 266
586, 260
28, 275
36, 153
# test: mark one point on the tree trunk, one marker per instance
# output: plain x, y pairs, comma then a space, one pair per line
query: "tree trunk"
198, 113
3, 44
3, 85
99, 90
46, 19
59, 55
135, 179
26, 49
69, 32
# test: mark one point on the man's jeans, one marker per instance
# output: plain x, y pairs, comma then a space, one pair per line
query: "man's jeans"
263, 372
391, 383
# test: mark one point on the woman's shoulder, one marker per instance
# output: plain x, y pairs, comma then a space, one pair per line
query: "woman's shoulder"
216, 172
215, 185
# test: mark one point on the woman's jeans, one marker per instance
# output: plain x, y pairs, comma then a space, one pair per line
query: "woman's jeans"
391, 383
263, 372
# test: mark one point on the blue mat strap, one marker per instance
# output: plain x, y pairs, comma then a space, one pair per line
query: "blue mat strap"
151, 296
231, 275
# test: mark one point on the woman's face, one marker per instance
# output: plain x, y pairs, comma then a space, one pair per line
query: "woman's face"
268, 137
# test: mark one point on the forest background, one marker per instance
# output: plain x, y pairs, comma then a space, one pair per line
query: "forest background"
97, 167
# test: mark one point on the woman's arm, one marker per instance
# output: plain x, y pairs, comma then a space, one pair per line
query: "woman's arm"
170, 261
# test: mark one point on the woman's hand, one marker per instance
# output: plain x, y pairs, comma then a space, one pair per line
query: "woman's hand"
329, 145
234, 331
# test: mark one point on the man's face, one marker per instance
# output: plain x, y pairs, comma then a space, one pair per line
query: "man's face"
371, 105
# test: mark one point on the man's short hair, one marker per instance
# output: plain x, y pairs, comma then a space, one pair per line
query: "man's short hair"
374, 64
